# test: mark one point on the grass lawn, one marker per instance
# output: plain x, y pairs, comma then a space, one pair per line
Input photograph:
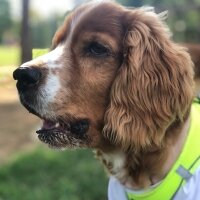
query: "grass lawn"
9, 61
9, 56
53, 175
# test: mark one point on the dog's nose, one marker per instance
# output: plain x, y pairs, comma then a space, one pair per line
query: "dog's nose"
27, 76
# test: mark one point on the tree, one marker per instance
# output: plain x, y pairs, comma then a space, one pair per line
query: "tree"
5, 18
26, 53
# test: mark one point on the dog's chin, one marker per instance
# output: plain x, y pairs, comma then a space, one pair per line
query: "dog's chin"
62, 132
59, 135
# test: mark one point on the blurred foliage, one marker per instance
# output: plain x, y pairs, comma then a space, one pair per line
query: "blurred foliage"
131, 3
184, 16
43, 30
48, 175
5, 18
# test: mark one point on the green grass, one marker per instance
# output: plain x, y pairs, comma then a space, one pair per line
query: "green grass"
9, 56
51, 175
39, 52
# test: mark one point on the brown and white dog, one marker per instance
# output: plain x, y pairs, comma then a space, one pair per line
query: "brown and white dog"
114, 82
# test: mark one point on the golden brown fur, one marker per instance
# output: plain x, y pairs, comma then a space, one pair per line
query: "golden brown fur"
152, 90
136, 96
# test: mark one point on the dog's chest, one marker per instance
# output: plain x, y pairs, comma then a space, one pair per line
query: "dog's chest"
114, 163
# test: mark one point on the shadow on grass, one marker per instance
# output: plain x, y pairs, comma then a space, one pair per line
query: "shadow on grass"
52, 175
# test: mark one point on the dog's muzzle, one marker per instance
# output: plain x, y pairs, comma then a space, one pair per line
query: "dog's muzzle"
56, 131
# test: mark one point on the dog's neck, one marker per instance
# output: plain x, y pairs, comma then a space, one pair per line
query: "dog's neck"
139, 172
173, 150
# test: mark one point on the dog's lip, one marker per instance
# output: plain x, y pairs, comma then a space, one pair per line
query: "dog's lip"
54, 133
50, 126
58, 134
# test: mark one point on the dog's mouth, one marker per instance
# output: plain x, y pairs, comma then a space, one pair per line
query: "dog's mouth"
62, 132
50, 126
59, 134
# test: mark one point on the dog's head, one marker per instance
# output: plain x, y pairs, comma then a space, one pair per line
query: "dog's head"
113, 75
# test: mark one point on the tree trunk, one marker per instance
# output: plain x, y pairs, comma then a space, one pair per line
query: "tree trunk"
26, 48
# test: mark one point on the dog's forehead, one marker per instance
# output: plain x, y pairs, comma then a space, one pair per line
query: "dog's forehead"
100, 16
93, 18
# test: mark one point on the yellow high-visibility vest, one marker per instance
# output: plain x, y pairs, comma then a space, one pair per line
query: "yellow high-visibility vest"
184, 167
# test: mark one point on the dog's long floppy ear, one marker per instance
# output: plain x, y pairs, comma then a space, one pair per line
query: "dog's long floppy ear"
153, 88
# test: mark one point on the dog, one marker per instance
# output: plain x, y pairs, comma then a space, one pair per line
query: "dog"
115, 82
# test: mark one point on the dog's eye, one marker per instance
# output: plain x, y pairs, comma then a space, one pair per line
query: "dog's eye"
97, 49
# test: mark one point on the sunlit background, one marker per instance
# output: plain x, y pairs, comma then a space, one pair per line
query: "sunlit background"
28, 170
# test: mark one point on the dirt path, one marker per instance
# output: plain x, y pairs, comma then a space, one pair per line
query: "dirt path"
16, 124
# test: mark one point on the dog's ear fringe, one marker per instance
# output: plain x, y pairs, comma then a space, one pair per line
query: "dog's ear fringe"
148, 9
163, 15
153, 88
98, 1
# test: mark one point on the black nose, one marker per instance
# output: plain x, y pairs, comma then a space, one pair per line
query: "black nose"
27, 76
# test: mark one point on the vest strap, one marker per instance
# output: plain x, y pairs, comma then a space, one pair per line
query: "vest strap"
184, 173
